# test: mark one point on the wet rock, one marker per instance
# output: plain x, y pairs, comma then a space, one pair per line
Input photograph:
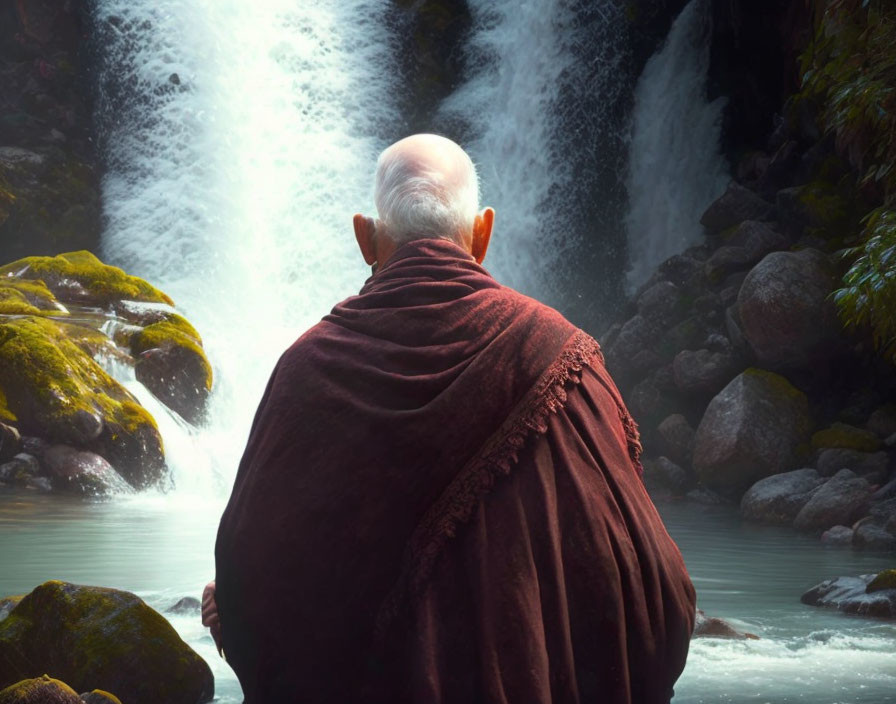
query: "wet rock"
660, 301
871, 535
707, 497
726, 260
636, 334
786, 313
10, 442
849, 594
671, 475
8, 603
702, 372
733, 207
735, 331
187, 605
887, 491
833, 459
24, 471
842, 435
842, 499
648, 403
882, 511
81, 472
712, 627
883, 580
840, 536
91, 637
750, 430
55, 388
645, 362
882, 421
98, 696
677, 438
39, 690
779, 498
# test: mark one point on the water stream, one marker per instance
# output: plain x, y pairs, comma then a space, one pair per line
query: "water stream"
240, 139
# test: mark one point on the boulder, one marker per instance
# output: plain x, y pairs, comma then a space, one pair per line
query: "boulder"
10, 442
750, 430
171, 363
660, 301
671, 475
24, 471
838, 535
8, 603
786, 312
832, 459
842, 435
39, 690
677, 438
704, 496
636, 335
79, 277
842, 499
871, 535
849, 594
98, 696
712, 627
91, 637
734, 206
887, 491
702, 372
883, 580
779, 498
59, 392
186, 605
726, 260
81, 472
882, 421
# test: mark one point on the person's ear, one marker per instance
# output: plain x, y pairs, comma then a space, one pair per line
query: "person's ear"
482, 233
364, 231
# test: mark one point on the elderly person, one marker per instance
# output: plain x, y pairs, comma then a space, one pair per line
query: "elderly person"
440, 499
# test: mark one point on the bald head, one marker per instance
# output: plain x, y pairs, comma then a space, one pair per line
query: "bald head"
426, 187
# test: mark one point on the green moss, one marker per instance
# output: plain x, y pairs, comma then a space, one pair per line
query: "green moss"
39, 690
92, 636
884, 580
54, 388
102, 284
24, 297
99, 696
830, 210
174, 331
777, 383
846, 436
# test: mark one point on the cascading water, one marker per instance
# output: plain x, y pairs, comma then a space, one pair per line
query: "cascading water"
675, 165
544, 80
240, 139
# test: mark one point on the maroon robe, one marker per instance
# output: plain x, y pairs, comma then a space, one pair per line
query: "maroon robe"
440, 501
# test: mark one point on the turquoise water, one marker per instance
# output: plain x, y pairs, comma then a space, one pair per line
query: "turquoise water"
161, 547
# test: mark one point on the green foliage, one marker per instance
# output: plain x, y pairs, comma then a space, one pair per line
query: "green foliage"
868, 296
849, 70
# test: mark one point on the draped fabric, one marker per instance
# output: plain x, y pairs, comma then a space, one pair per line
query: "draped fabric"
382, 441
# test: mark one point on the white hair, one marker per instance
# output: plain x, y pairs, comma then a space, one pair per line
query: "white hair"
426, 198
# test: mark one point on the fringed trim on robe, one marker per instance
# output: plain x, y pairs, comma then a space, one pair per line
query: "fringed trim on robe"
497, 458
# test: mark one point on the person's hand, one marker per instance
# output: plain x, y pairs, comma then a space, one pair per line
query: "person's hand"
210, 614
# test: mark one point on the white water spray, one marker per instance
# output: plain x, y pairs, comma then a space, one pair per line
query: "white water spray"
240, 139
675, 169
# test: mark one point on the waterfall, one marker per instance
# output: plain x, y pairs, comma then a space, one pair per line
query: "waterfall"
239, 140
544, 80
675, 168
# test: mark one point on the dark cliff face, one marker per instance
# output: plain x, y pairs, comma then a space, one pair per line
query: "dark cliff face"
49, 186
754, 62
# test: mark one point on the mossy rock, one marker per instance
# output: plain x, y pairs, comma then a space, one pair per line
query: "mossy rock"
58, 392
6, 415
884, 580
93, 637
171, 363
27, 297
79, 277
8, 603
40, 690
99, 696
846, 436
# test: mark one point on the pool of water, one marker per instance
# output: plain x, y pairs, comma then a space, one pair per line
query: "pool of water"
161, 547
